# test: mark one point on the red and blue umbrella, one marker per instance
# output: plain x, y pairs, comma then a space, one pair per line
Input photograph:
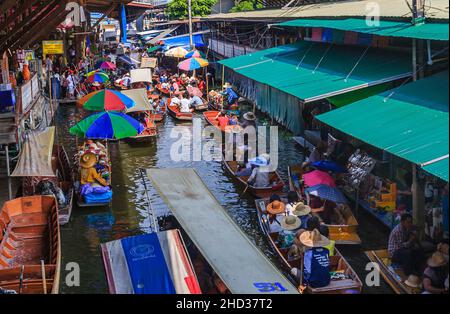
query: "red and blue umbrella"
98, 77
193, 64
107, 125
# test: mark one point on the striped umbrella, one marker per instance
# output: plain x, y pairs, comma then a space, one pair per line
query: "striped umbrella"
178, 52
108, 100
195, 54
193, 64
97, 76
107, 125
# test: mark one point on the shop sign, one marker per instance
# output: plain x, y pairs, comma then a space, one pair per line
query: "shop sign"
27, 96
34, 86
29, 55
149, 63
53, 47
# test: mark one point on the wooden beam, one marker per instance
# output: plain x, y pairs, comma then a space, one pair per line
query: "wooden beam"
29, 22
37, 24
19, 12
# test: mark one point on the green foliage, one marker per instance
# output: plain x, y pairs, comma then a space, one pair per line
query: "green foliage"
247, 5
178, 9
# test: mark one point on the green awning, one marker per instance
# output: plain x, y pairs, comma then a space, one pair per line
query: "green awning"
153, 49
412, 123
431, 31
345, 99
314, 71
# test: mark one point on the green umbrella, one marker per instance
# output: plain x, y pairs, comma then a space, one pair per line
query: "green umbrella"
153, 49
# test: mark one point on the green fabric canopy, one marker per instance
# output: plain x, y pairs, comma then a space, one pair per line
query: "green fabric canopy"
410, 122
431, 31
314, 71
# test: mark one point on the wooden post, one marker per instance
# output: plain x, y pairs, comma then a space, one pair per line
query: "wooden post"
418, 200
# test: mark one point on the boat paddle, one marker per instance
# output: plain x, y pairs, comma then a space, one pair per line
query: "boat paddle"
246, 188
44, 280
22, 268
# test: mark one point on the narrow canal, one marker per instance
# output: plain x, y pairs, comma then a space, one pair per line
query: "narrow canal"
128, 215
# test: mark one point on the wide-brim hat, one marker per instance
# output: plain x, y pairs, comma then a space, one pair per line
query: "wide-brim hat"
437, 260
314, 239
88, 160
301, 209
250, 116
290, 222
227, 85
413, 281
276, 207
258, 161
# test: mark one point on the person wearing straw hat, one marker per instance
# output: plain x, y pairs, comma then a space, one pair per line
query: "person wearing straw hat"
88, 173
316, 272
290, 225
435, 274
249, 120
276, 211
413, 282
259, 177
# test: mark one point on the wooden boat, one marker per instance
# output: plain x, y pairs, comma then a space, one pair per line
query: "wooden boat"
211, 118
351, 285
342, 234
80, 201
30, 234
264, 192
175, 113
64, 179
394, 276
202, 107
149, 133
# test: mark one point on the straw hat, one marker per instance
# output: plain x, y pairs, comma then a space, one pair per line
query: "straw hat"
276, 207
96, 84
88, 160
437, 260
290, 222
227, 85
313, 239
250, 116
301, 209
413, 281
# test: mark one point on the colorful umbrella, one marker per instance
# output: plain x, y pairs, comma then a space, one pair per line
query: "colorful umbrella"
97, 76
107, 125
85, 98
317, 177
177, 52
329, 165
328, 193
195, 54
193, 64
108, 66
108, 100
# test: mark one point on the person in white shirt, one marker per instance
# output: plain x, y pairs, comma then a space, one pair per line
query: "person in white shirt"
175, 101
184, 104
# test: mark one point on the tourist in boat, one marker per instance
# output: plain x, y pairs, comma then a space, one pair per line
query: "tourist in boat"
249, 120
404, 247
414, 284
316, 272
277, 211
222, 119
194, 100
290, 225
292, 201
259, 177
184, 103
325, 231
303, 212
435, 274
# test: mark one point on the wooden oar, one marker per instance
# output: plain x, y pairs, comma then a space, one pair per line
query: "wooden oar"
246, 188
44, 280
22, 268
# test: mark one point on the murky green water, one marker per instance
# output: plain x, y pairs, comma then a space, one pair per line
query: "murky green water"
129, 214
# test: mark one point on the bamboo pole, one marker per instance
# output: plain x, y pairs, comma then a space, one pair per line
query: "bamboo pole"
44, 280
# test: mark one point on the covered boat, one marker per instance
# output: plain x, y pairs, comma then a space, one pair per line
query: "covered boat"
242, 267
155, 263
348, 284
45, 168
30, 247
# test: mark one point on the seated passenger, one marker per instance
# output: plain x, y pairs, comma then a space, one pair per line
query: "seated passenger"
184, 104
276, 211
435, 274
259, 177
290, 226
195, 101
222, 119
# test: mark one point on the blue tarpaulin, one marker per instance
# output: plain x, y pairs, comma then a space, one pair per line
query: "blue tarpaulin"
123, 24
183, 41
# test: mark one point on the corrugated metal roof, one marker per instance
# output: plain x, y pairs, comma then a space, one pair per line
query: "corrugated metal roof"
432, 31
412, 124
312, 71
438, 9
237, 261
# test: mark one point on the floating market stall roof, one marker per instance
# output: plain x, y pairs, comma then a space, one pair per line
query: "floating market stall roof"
35, 159
431, 31
183, 40
155, 263
140, 98
313, 71
410, 122
237, 261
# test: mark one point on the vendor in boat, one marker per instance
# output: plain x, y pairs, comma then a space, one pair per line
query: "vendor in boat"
276, 210
404, 247
290, 226
184, 103
88, 173
222, 119
316, 261
259, 177
249, 120
436, 274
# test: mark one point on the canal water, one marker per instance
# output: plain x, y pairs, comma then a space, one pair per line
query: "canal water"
129, 213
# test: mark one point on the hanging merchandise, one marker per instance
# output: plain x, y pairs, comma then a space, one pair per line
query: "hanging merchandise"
360, 165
